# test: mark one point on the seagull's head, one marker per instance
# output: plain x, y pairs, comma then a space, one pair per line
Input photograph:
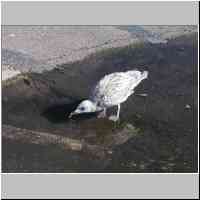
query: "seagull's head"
85, 106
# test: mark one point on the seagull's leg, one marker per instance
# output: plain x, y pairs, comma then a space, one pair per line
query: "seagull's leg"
102, 114
115, 117
118, 111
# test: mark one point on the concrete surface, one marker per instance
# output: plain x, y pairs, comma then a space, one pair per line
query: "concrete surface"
40, 48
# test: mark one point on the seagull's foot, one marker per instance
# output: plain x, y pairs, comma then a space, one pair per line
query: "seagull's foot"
102, 114
113, 118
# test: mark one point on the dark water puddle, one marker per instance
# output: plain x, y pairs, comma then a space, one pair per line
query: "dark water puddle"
156, 133
59, 113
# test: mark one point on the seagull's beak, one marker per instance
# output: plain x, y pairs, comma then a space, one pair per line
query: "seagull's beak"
71, 114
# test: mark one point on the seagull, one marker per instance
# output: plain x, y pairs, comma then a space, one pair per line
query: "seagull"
112, 90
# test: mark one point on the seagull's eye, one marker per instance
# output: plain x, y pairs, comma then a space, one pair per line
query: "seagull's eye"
81, 108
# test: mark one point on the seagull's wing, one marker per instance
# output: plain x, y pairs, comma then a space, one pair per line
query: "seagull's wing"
117, 87
113, 89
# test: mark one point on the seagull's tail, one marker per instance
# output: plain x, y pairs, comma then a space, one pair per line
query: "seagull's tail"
138, 74
144, 75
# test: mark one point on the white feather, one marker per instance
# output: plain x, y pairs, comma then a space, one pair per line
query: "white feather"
115, 88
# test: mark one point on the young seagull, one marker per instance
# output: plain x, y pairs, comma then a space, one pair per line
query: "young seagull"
111, 90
